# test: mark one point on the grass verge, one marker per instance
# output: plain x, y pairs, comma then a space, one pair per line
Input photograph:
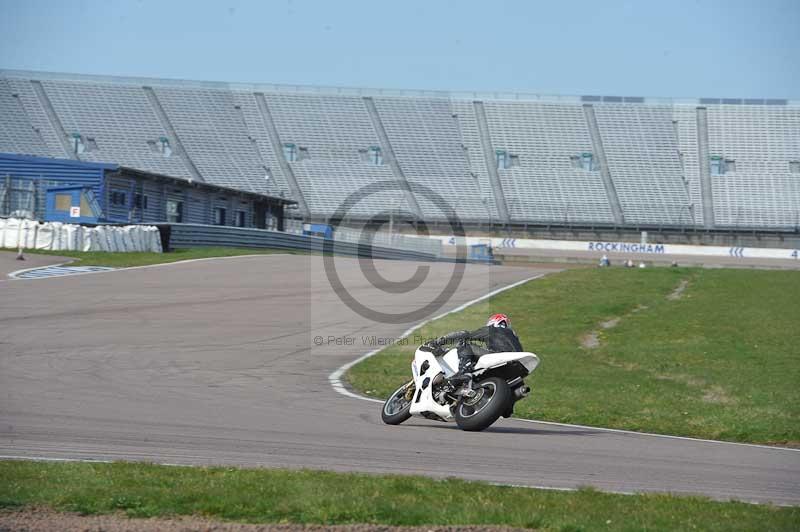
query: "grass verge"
135, 258
278, 496
692, 352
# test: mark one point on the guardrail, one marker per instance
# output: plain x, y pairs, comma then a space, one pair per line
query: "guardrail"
391, 240
191, 235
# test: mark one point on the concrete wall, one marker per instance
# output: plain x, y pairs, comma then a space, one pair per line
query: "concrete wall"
756, 239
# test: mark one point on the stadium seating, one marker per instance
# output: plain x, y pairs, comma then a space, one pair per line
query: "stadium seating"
643, 160
758, 189
17, 134
425, 139
257, 131
118, 118
546, 186
214, 136
495, 158
331, 136
23, 92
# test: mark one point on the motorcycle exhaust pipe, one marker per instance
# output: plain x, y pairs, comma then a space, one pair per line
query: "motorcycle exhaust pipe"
521, 392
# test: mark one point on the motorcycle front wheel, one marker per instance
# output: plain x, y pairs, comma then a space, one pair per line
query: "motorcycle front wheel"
397, 407
480, 411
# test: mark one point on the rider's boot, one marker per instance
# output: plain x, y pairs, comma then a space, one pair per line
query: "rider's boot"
464, 374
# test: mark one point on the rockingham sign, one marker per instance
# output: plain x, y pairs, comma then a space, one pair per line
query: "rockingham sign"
602, 247
625, 247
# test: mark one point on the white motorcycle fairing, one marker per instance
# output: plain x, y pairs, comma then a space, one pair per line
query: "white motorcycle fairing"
427, 366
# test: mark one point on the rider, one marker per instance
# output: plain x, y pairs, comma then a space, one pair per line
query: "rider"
498, 336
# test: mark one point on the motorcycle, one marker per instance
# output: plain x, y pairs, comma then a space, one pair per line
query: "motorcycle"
479, 399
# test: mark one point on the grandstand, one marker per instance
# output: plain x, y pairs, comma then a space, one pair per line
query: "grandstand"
497, 159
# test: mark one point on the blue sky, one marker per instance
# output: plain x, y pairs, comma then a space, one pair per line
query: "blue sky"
684, 48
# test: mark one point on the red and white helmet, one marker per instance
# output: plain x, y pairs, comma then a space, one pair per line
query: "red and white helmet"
499, 320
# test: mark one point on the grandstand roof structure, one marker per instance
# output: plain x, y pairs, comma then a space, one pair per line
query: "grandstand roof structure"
493, 158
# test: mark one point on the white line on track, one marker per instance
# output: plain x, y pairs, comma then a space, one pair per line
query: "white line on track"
525, 486
669, 436
90, 460
335, 379
203, 259
14, 275
50, 459
98, 461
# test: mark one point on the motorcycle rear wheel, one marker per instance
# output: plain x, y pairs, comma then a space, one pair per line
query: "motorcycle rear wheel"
478, 413
397, 407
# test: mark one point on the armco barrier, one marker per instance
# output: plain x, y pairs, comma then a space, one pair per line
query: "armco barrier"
191, 235
391, 240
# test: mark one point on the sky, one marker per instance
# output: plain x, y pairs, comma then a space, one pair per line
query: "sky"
691, 48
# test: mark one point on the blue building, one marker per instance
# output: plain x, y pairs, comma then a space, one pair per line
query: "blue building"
72, 191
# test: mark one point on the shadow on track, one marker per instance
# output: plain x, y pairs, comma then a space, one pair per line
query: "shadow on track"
516, 430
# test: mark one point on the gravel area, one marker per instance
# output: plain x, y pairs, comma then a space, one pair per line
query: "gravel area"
42, 519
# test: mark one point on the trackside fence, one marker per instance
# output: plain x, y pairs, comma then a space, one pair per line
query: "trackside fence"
176, 236
391, 240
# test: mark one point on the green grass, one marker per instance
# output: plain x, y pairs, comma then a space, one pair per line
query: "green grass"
278, 496
135, 258
721, 362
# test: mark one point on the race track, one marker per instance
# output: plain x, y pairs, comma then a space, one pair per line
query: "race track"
214, 362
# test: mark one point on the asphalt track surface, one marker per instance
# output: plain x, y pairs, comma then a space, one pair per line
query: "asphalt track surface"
214, 362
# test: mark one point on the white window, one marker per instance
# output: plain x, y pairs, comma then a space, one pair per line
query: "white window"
270, 221
505, 159
219, 215
160, 146
501, 158
717, 165
174, 211
290, 152
584, 161
375, 156
77, 144
587, 161
164, 147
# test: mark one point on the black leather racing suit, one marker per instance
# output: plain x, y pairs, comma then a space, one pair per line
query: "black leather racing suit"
497, 340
